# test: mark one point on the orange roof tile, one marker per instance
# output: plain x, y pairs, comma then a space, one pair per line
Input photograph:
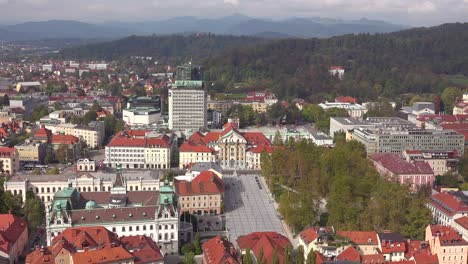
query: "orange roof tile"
309, 235
206, 182
267, 241
11, 228
462, 221
64, 139
349, 254
361, 237
106, 255
219, 250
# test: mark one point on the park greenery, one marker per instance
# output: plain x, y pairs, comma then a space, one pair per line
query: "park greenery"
32, 210
308, 181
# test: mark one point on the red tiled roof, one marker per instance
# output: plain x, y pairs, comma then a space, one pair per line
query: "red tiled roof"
219, 250
392, 247
11, 228
417, 248
349, 254
426, 259
205, 183
188, 147
448, 203
6, 152
64, 139
360, 237
395, 164
443, 118
462, 221
345, 99
373, 259
447, 236
309, 235
268, 241
81, 237
43, 133
256, 138
106, 255
143, 249
261, 148
334, 67
40, 256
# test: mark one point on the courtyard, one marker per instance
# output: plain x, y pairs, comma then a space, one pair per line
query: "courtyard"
248, 207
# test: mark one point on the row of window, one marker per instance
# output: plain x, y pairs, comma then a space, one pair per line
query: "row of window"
199, 205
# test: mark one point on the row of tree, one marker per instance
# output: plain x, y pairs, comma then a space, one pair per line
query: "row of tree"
310, 180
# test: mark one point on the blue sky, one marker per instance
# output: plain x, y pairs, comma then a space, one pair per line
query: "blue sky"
409, 12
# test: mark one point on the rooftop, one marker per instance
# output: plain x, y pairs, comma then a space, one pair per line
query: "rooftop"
397, 165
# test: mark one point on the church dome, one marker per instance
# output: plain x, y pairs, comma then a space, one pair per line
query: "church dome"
90, 204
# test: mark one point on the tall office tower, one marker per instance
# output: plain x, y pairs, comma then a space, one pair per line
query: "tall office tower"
188, 100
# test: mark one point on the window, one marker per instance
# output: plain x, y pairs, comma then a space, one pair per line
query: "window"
123, 228
151, 227
130, 228
137, 228
144, 228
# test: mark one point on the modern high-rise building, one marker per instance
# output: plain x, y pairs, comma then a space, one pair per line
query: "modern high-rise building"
188, 100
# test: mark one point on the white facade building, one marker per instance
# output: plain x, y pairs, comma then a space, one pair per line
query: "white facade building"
187, 108
354, 110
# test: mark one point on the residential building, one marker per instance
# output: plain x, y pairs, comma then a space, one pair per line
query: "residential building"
14, 238
43, 134
96, 244
393, 167
9, 160
441, 162
338, 71
354, 110
219, 250
460, 108
269, 242
46, 185
148, 213
189, 153
449, 246
202, 195
220, 106
308, 239
97, 66
32, 151
92, 134
394, 141
346, 99
412, 113
187, 106
461, 226
392, 246
138, 149
448, 206
365, 242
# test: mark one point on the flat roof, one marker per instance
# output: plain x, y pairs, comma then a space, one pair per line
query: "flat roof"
351, 121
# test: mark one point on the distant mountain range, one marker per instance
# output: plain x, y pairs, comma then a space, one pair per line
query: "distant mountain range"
230, 25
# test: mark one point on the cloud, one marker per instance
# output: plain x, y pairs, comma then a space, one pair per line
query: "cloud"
232, 2
425, 7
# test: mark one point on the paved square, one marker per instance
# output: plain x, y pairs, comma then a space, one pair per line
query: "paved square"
248, 208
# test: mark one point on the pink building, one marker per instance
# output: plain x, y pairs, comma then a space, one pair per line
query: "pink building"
449, 246
393, 167
13, 238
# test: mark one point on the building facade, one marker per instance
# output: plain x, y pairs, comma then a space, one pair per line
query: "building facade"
139, 150
9, 160
449, 246
148, 213
448, 206
31, 151
201, 196
187, 108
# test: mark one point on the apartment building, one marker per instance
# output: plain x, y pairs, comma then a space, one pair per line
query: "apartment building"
92, 134
201, 196
441, 162
137, 149
9, 160
449, 246
448, 206
14, 238
189, 154
187, 107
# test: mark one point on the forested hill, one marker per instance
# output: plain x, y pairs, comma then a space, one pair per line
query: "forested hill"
419, 60
165, 49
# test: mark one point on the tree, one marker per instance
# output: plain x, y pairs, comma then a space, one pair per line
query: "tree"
449, 97
417, 218
6, 100
287, 259
50, 155
260, 256
311, 258
189, 258
34, 210
58, 106
64, 154
247, 258
187, 248
300, 255
275, 258
197, 244
277, 140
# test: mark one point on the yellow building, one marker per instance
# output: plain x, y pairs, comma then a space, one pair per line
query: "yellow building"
9, 160
31, 150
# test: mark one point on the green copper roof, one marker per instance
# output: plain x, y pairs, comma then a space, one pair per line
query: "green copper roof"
65, 193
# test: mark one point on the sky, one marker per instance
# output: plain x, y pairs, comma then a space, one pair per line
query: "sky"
405, 12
